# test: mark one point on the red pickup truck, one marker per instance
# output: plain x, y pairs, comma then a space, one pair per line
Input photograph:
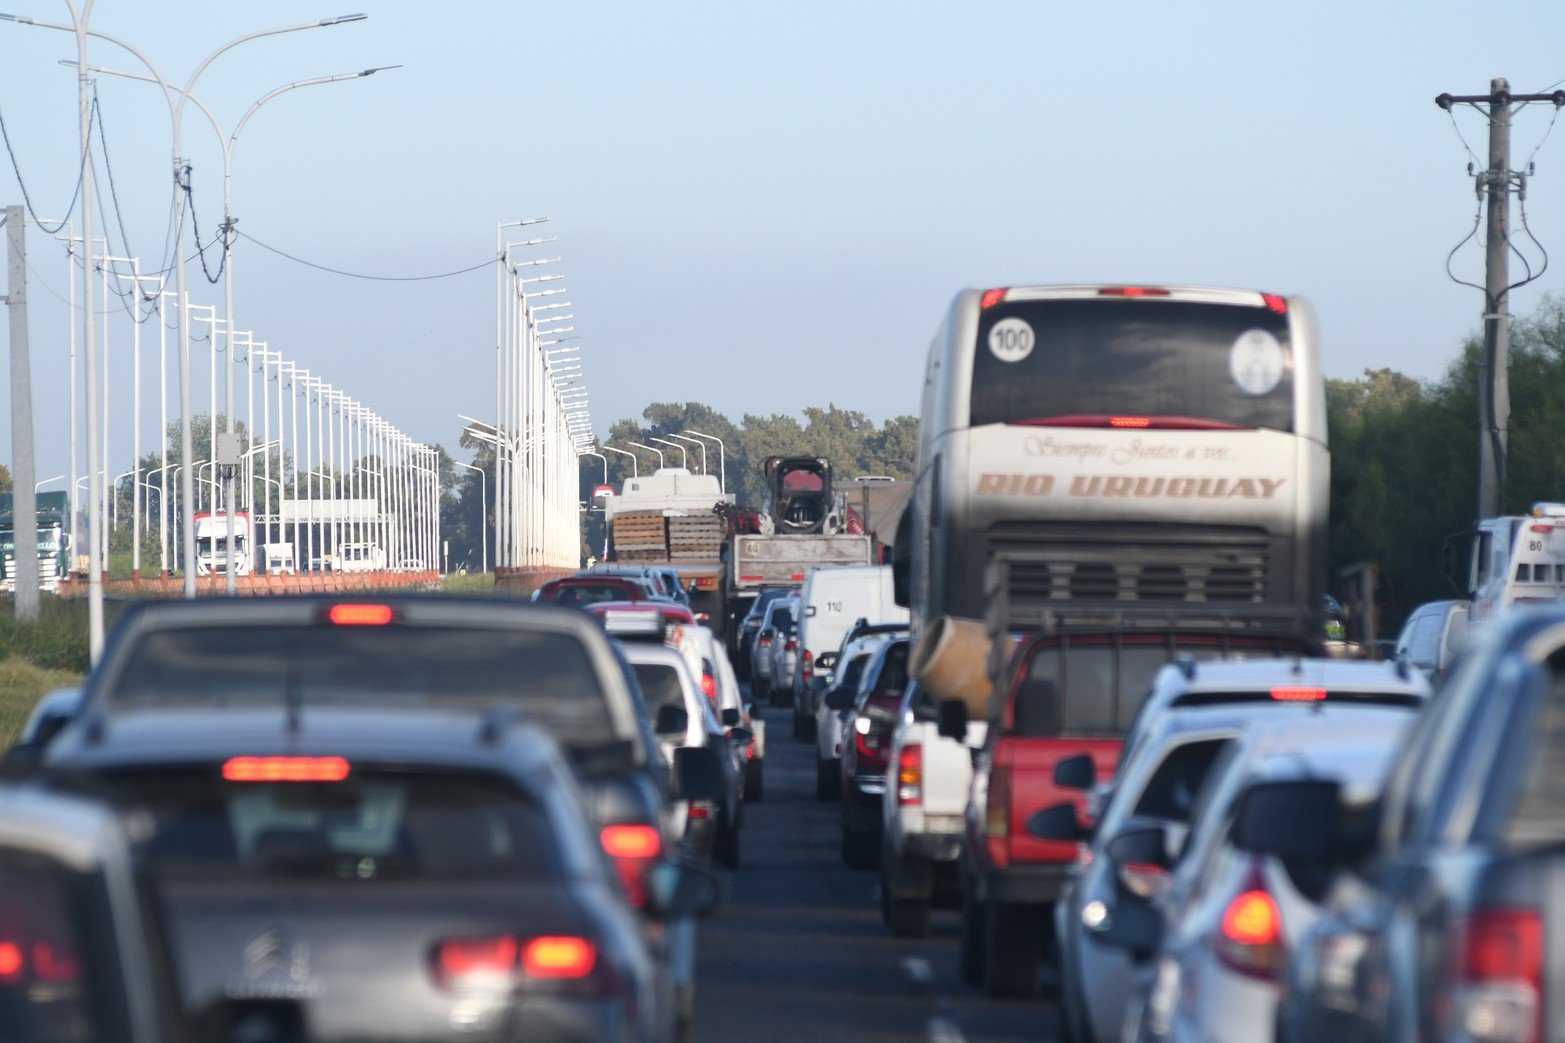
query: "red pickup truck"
1069, 689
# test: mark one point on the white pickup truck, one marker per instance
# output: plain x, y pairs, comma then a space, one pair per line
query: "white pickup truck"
926, 794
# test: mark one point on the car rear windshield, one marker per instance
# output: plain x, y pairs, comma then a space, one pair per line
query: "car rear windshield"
363, 830
547, 676
588, 594
1086, 685
660, 686
782, 619
1224, 363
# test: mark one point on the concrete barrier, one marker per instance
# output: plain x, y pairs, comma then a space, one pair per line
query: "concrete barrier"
256, 586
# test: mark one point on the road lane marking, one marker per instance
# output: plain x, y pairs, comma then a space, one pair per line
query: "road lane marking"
944, 1030
918, 970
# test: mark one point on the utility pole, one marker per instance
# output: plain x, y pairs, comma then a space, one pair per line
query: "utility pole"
24, 498
1497, 183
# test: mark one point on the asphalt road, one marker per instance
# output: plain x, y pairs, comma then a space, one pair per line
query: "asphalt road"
798, 951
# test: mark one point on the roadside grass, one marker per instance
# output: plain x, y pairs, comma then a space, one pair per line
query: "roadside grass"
56, 641
472, 583
21, 685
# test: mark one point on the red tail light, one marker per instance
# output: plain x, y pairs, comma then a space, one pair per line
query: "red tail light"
464, 961
286, 769
709, 686
991, 298
633, 848
808, 664
997, 815
1250, 937
347, 615
1502, 974
764, 641
39, 962
700, 810
1132, 291
1130, 421
1299, 695
500, 960
910, 774
561, 956
792, 645
1276, 302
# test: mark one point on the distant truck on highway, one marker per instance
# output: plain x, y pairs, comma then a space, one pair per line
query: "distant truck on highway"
1517, 559
53, 542
212, 544
671, 517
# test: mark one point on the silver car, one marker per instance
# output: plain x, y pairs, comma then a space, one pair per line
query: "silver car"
1231, 914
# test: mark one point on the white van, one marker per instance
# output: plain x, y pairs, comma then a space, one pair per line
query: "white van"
831, 601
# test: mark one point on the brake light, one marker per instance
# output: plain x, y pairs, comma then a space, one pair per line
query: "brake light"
1297, 694
792, 645
1129, 421
1249, 940
462, 961
465, 962
991, 298
286, 769
910, 774
629, 841
1276, 302
808, 665
708, 686
633, 848
350, 615
1132, 291
11, 963
1545, 529
54, 965
764, 641
562, 956
700, 810
1500, 997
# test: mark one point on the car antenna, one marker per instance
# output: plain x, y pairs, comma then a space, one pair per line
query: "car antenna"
291, 699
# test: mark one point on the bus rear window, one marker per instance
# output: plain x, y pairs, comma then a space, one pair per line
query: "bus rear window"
1054, 360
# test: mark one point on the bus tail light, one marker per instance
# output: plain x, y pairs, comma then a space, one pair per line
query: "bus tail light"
992, 297
1130, 421
1276, 302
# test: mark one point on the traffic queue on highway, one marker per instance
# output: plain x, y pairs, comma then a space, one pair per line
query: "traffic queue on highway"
345, 819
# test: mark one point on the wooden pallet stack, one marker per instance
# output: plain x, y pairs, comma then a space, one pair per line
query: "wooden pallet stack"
696, 537
640, 536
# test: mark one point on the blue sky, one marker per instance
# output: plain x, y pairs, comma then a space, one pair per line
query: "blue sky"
764, 207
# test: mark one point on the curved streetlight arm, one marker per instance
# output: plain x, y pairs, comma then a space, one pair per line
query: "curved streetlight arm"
600, 456
233, 139
635, 469
698, 444
722, 461
684, 458
650, 449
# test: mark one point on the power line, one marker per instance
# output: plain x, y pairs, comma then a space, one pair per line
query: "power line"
359, 275
16, 168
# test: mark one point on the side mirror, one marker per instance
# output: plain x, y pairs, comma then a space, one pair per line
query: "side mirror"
952, 717
839, 699
1057, 823
1296, 821
1077, 772
818, 684
678, 890
730, 717
902, 559
1135, 927
1144, 845
672, 720
698, 774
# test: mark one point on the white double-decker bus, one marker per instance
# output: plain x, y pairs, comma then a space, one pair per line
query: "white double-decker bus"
1139, 443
